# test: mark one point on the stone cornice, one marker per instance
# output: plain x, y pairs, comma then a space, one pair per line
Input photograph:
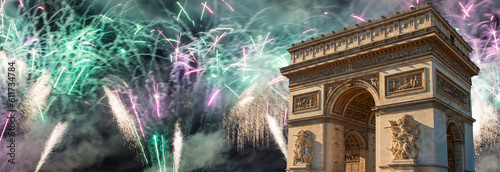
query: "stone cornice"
368, 60
366, 36
450, 50
340, 63
330, 118
383, 20
362, 52
424, 103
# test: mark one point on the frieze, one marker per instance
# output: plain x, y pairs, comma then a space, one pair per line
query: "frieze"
447, 60
447, 88
405, 83
363, 64
306, 102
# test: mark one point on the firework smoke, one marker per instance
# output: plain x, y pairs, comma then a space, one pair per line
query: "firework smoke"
249, 118
54, 139
177, 144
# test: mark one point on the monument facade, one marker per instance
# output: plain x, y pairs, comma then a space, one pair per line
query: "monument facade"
391, 94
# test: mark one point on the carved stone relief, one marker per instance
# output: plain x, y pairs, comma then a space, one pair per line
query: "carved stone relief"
447, 88
306, 102
405, 133
303, 148
351, 158
372, 80
405, 83
330, 87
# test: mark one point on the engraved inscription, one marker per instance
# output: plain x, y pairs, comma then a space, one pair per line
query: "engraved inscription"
445, 87
306, 102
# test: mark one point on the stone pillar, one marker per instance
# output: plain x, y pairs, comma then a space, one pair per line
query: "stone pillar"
370, 162
469, 148
336, 148
458, 155
363, 158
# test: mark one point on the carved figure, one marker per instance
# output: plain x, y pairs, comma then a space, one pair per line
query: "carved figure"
351, 158
374, 81
305, 102
405, 133
303, 148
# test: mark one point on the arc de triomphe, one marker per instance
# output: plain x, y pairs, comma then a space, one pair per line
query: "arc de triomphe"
386, 95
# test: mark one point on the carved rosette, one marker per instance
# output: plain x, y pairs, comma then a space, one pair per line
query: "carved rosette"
306, 102
405, 133
303, 148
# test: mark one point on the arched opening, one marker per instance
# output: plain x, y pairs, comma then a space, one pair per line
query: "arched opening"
355, 152
353, 105
454, 147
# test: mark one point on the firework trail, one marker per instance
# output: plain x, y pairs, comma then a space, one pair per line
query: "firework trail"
54, 139
120, 114
124, 119
35, 101
177, 144
277, 133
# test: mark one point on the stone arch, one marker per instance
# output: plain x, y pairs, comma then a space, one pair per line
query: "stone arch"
456, 130
354, 99
359, 138
454, 146
333, 95
356, 153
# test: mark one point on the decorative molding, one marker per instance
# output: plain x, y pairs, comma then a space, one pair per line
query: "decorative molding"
451, 90
405, 83
405, 133
447, 59
404, 54
369, 34
306, 102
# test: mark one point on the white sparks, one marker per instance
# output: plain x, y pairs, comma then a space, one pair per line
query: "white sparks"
54, 139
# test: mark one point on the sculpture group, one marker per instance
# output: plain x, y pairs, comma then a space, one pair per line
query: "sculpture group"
405, 133
303, 148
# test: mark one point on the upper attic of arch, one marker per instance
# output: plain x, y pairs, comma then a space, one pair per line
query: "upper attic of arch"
409, 22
